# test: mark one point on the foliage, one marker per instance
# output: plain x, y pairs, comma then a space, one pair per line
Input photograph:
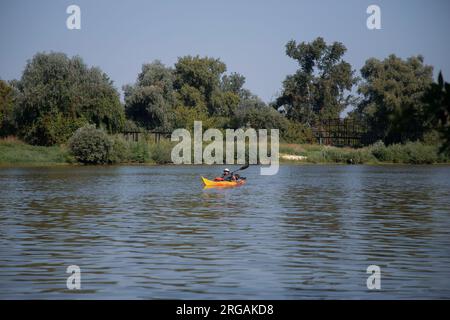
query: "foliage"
234, 83
201, 83
437, 110
120, 151
160, 153
14, 152
262, 117
411, 152
90, 145
392, 94
319, 87
6, 108
149, 101
131, 126
298, 133
139, 151
408, 153
57, 94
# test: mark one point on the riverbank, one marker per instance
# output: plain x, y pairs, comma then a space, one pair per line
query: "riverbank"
15, 152
409, 153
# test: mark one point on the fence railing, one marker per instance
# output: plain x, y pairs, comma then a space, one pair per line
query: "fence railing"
342, 132
138, 135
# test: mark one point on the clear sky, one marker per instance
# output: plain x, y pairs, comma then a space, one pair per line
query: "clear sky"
249, 36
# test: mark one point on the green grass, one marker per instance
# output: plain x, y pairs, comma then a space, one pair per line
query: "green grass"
15, 152
409, 153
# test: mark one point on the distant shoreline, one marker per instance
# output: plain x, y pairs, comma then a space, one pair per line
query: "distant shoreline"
15, 153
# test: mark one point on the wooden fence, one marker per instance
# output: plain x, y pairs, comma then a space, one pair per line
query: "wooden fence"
342, 132
139, 135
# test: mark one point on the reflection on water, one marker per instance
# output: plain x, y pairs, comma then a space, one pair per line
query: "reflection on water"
154, 232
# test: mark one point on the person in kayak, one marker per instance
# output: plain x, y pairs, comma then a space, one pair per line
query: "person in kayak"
227, 176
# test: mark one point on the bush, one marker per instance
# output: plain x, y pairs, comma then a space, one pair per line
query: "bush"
90, 145
418, 153
161, 152
139, 151
411, 152
380, 151
297, 133
120, 151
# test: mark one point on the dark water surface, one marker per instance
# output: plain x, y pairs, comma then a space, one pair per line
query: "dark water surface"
153, 232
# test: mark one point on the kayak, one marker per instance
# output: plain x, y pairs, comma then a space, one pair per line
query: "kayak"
211, 183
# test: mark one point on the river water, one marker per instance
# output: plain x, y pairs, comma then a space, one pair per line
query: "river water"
150, 232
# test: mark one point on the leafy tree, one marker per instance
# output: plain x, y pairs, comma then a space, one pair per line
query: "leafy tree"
233, 83
263, 117
437, 110
150, 100
320, 87
200, 81
392, 93
224, 103
191, 97
6, 108
57, 95
201, 73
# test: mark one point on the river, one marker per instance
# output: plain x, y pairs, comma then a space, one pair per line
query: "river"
151, 232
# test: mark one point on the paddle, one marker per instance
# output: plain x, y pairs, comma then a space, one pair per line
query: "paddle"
241, 168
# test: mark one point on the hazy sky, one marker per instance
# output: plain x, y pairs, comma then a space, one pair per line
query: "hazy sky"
249, 36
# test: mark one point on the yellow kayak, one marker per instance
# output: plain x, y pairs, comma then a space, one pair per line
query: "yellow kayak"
212, 183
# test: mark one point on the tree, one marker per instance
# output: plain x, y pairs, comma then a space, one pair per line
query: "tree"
320, 87
57, 95
198, 82
6, 108
150, 100
392, 93
437, 110
259, 117
233, 83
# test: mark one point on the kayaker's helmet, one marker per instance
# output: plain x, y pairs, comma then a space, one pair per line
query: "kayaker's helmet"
226, 170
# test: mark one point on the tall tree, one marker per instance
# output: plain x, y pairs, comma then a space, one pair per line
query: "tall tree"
150, 100
437, 110
392, 93
6, 108
233, 83
199, 79
58, 94
320, 88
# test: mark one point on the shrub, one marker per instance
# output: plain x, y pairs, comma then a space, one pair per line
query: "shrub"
120, 151
411, 152
379, 151
418, 153
139, 151
297, 133
161, 152
90, 145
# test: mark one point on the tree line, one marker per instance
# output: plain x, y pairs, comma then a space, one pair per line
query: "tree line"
395, 98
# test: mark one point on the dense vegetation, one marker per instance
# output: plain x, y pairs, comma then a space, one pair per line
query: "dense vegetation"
396, 99
57, 95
